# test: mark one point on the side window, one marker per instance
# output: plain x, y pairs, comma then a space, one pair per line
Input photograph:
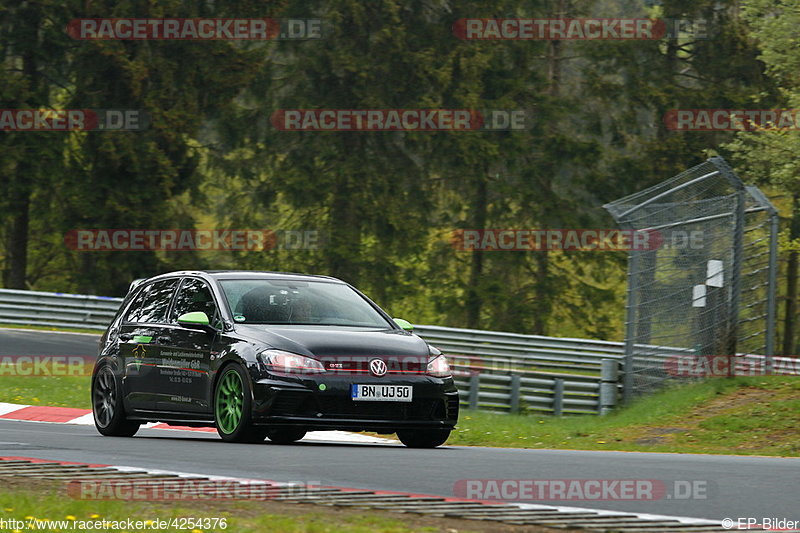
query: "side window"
194, 295
135, 309
152, 304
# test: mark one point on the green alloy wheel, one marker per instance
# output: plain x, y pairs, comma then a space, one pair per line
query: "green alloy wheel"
232, 402
229, 401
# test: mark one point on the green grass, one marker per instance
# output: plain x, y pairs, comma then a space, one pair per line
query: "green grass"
752, 415
51, 328
59, 391
26, 500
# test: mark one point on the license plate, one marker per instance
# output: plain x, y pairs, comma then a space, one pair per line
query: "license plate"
381, 393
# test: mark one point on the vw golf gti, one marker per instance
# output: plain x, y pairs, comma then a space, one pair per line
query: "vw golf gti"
268, 355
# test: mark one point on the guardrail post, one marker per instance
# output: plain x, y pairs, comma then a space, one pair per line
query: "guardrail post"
558, 397
609, 378
515, 382
474, 388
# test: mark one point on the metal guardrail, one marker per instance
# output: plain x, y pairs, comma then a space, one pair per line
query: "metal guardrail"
56, 309
530, 373
527, 354
508, 372
515, 392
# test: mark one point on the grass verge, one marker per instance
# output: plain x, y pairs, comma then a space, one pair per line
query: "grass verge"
26, 499
58, 391
51, 328
747, 416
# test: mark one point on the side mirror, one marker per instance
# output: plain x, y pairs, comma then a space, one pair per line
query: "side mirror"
195, 320
405, 324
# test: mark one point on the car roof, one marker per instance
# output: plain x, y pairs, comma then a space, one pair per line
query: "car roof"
245, 274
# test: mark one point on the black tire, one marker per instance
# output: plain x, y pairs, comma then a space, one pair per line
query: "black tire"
285, 436
107, 407
423, 438
243, 430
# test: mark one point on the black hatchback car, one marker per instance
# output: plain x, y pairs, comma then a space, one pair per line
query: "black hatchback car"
268, 355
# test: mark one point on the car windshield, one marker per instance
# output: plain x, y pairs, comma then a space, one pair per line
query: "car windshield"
272, 301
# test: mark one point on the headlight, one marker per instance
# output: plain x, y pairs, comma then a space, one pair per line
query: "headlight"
280, 361
438, 367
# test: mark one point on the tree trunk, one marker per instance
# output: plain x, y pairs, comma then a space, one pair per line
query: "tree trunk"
17, 247
791, 283
479, 209
544, 297
345, 232
20, 191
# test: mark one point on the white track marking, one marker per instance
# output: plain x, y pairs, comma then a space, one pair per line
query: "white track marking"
312, 436
85, 420
6, 408
604, 512
345, 436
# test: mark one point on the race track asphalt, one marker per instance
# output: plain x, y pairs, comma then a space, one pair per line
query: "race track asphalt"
737, 486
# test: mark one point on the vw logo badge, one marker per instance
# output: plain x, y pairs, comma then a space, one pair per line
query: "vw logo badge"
377, 367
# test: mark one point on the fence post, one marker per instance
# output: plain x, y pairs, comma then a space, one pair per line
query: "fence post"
515, 382
736, 274
474, 387
630, 326
773, 273
558, 397
609, 378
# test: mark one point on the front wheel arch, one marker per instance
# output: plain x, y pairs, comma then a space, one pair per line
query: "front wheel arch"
232, 360
243, 430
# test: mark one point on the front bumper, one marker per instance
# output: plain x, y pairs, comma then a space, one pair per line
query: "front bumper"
300, 402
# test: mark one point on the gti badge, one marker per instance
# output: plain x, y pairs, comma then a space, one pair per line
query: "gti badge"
377, 367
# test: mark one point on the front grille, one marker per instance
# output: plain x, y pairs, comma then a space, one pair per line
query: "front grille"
414, 410
290, 402
400, 365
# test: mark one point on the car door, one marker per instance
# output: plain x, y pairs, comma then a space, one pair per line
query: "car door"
185, 360
140, 334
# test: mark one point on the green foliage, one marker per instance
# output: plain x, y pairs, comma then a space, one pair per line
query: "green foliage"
385, 205
768, 155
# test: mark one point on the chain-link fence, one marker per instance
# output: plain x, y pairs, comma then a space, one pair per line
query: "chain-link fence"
704, 283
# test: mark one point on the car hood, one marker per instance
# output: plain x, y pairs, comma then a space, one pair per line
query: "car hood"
322, 341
